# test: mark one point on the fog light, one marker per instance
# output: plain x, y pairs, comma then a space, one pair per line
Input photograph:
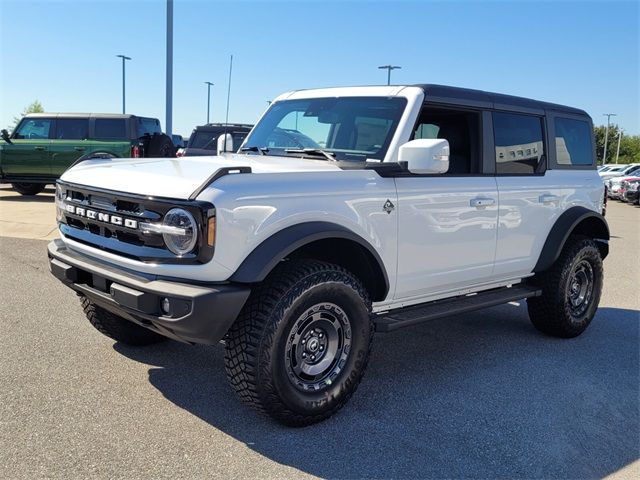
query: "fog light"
165, 305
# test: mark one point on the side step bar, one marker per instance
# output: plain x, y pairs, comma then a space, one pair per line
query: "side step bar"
405, 317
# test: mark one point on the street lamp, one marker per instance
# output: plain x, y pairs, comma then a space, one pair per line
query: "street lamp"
388, 68
606, 135
618, 149
124, 58
209, 85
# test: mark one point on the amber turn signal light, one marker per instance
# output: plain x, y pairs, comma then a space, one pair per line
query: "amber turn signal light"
211, 231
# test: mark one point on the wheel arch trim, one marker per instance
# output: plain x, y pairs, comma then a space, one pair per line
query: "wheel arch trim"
264, 258
567, 223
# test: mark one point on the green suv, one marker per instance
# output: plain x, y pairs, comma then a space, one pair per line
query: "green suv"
44, 145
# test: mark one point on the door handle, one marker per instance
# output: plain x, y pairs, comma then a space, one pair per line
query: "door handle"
38, 148
482, 202
80, 149
548, 199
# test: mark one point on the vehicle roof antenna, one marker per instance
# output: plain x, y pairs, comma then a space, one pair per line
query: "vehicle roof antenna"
226, 119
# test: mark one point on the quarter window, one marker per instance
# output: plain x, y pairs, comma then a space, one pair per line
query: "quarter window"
72, 128
573, 142
519, 143
111, 128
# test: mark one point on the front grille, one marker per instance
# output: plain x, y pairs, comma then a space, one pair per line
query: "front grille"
110, 221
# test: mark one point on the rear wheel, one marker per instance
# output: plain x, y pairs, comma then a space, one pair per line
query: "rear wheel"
571, 290
299, 348
118, 328
28, 188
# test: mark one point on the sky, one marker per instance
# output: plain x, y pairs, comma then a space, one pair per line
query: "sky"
63, 53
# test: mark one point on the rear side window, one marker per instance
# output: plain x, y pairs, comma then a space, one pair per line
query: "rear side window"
111, 128
72, 128
148, 125
573, 142
519, 143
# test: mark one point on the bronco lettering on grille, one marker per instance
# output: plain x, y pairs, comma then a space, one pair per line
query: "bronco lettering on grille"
102, 217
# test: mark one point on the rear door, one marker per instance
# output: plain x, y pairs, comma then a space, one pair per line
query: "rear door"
110, 135
28, 154
531, 196
69, 143
447, 223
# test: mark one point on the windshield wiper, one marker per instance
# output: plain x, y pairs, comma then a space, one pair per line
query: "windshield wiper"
313, 151
262, 150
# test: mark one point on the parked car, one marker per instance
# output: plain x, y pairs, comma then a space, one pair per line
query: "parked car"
43, 145
614, 183
413, 203
630, 188
203, 140
619, 170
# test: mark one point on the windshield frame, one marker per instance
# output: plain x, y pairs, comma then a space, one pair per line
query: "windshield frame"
342, 154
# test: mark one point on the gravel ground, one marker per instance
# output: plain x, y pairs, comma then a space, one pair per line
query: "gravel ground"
481, 395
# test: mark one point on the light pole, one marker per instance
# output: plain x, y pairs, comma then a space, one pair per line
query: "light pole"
124, 58
618, 149
388, 68
209, 85
606, 135
169, 73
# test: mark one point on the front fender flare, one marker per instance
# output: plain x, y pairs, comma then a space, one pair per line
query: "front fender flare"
257, 265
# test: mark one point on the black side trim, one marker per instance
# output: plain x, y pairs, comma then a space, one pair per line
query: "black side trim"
221, 172
269, 253
576, 219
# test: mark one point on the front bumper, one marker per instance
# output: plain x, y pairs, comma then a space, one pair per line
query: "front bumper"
196, 313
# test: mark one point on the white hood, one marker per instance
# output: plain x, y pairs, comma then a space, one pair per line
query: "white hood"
177, 177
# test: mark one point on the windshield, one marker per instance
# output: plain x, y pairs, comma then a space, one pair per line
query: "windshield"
351, 128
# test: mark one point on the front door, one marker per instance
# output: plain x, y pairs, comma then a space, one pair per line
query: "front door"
28, 154
447, 223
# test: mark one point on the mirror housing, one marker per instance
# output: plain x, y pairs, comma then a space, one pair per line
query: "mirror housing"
5, 135
425, 155
224, 144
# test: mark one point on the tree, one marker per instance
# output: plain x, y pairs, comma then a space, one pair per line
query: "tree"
35, 107
629, 145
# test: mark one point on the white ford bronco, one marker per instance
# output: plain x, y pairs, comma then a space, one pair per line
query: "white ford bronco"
347, 211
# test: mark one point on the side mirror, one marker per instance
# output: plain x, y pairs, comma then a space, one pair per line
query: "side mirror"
5, 135
224, 144
425, 155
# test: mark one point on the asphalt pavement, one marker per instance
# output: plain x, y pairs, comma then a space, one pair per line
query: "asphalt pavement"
481, 395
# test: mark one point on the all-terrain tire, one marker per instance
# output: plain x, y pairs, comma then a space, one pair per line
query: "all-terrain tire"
159, 145
28, 188
118, 328
571, 290
264, 347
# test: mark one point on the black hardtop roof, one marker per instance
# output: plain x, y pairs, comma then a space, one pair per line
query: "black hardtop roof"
84, 115
467, 96
216, 126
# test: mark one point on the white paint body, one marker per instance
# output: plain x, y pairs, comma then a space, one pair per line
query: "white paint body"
438, 242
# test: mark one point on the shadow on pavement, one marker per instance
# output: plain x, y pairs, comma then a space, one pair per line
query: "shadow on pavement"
47, 196
482, 395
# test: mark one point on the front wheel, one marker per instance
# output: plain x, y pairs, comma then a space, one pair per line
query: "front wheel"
571, 290
28, 188
300, 346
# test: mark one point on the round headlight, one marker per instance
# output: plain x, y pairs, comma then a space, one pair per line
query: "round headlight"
185, 235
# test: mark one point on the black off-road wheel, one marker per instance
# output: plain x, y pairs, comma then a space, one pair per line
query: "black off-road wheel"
571, 290
301, 344
118, 328
28, 188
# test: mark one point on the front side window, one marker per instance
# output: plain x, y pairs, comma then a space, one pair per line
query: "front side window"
519, 143
72, 128
34, 128
348, 128
461, 129
573, 142
107, 128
